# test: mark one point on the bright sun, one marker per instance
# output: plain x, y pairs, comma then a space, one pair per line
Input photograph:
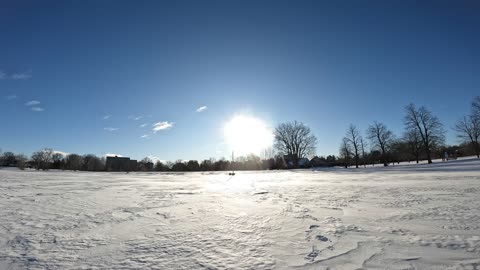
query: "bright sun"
247, 135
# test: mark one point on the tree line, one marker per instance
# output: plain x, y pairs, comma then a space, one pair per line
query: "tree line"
47, 159
423, 139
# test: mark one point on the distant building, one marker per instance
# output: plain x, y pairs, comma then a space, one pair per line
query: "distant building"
120, 164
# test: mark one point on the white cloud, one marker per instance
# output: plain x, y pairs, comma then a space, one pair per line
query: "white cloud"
21, 76
201, 109
112, 155
143, 125
106, 117
37, 109
32, 103
162, 126
145, 136
3, 75
11, 97
111, 129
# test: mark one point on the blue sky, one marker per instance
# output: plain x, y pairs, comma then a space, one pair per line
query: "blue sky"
325, 63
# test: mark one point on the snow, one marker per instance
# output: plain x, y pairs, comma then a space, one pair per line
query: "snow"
401, 217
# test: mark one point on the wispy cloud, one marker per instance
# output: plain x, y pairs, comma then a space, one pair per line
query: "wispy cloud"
21, 76
11, 97
106, 117
145, 136
15, 76
33, 106
201, 109
32, 103
143, 125
37, 109
162, 126
135, 118
111, 129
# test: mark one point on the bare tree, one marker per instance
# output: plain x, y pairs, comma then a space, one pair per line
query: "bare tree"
37, 159
400, 151
354, 138
8, 159
159, 166
73, 162
57, 159
193, 165
428, 126
362, 148
468, 130
21, 161
295, 140
414, 142
91, 162
42, 158
381, 138
345, 151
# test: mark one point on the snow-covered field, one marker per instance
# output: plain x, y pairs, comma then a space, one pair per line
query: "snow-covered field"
402, 217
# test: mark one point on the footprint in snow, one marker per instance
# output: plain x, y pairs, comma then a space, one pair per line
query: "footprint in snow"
313, 254
321, 238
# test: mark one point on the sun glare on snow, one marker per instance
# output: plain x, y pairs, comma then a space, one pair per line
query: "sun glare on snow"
247, 134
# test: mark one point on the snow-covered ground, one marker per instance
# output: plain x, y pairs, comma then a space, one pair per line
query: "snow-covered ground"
402, 217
